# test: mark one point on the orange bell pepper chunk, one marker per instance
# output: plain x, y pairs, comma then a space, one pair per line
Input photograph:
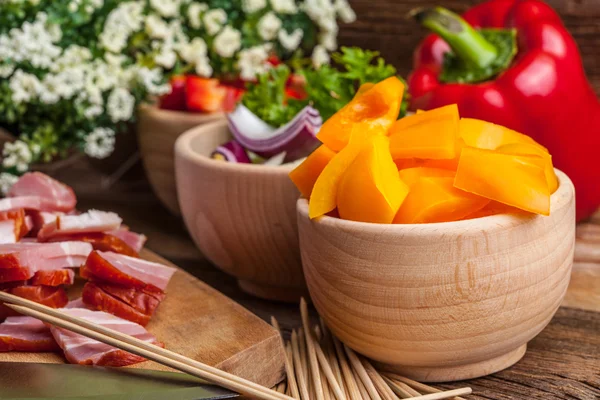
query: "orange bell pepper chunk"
515, 180
372, 111
435, 199
531, 149
428, 135
371, 190
324, 193
411, 176
306, 174
485, 135
364, 88
494, 208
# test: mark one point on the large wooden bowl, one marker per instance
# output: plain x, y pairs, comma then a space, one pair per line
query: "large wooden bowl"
157, 132
241, 216
446, 301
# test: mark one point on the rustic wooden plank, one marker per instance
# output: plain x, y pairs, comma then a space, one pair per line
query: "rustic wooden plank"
382, 26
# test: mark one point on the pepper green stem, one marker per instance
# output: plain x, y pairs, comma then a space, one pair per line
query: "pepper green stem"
466, 43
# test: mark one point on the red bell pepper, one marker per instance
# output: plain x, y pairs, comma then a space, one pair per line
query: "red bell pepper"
540, 90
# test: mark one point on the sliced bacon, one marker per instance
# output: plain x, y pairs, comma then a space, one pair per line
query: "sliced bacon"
82, 350
54, 195
54, 297
91, 221
41, 218
127, 271
20, 261
77, 303
13, 226
53, 278
26, 334
25, 202
99, 241
134, 240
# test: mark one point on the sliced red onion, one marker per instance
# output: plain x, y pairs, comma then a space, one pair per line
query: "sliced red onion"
232, 152
297, 138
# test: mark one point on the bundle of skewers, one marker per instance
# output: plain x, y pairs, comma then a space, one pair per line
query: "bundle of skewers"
320, 367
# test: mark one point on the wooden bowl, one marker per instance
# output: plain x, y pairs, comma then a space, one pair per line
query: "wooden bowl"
157, 132
446, 301
241, 216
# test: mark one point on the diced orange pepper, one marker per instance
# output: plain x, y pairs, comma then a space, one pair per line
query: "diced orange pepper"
531, 149
306, 174
494, 208
372, 112
435, 199
411, 176
429, 135
485, 135
371, 190
323, 196
516, 180
364, 88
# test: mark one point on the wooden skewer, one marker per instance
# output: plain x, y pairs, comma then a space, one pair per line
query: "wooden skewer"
417, 385
281, 387
289, 368
362, 373
305, 364
444, 395
312, 355
333, 361
328, 372
351, 385
364, 394
382, 387
140, 348
291, 381
401, 388
298, 367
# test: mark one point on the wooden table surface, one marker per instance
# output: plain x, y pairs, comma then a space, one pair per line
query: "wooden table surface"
563, 362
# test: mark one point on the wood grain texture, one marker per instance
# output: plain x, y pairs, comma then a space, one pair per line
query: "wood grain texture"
157, 132
197, 321
441, 302
241, 216
382, 26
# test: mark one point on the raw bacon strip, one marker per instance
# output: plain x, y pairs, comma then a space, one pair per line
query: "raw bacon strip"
99, 241
16, 203
91, 221
77, 303
127, 303
82, 350
26, 334
13, 226
127, 271
54, 297
134, 240
53, 278
54, 195
41, 218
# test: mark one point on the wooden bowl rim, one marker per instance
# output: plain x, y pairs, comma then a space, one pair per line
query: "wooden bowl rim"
183, 148
160, 113
561, 198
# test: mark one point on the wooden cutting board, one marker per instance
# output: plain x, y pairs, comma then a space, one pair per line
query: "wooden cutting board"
201, 323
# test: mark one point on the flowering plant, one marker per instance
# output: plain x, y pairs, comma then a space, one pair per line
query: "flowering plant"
72, 72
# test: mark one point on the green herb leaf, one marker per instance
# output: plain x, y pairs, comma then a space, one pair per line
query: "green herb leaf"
457, 71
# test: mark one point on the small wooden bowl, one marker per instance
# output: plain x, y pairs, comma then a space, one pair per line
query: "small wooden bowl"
157, 132
441, 302
241, 216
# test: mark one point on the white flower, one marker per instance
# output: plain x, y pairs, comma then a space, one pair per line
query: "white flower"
73, 6
253, 61
318, 9
93, 111
166, 57
320, 56
214, 20
228, 42
152, 79
24, 87
194, 14
251, 6
328, 40
345, 11
195, 53
6, 182
100, 143
120, 105
50, 89
17, 155
284, 6
72, 56
6, 70
269, 26
120, 24
166, 8
290, 41
156, 27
